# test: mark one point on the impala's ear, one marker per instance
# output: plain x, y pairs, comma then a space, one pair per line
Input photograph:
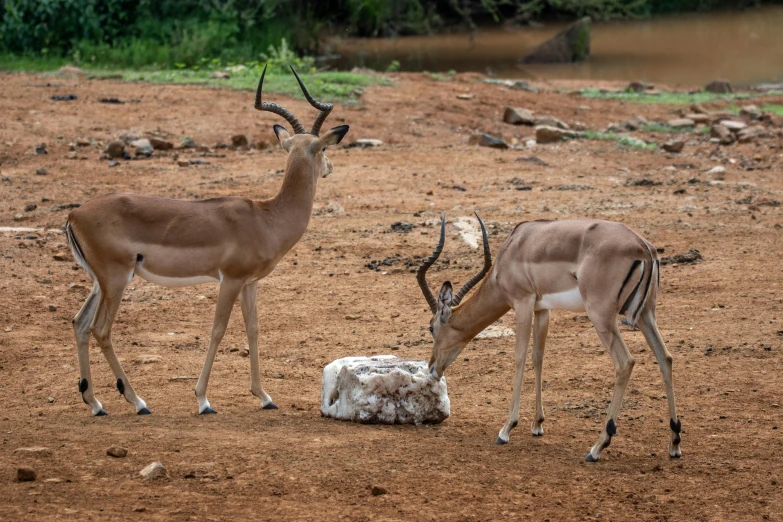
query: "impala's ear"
445, 296
333, 136
282, 136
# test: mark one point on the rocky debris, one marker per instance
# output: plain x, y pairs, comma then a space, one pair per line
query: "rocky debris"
534, 160
717, 171
690, 257
187, 143
679, 123
143, 147
572, 44
734, 126
570, 187
66, 206
488, 140
183, 163
52, 308
70, 70
220, 75
547, 134
330, 208
41, 149
25, 474
674, 146
749, 113
128, 138
377, 491
245, 351
60, 256
30, 207
156, 470
643, 182
366, 143
518, 116
64, 97
465, 96
551, 121
159, 144
751, 134
113, 101
41, 171
383, 389
240, 141
722, 134
401, 227
718, 87
699, 117
115, 149
34, 451
82, 142
118, 452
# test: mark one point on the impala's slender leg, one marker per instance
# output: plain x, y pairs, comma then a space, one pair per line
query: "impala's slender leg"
227, 295
649, 328
111, 297
524, 316
623, 361
247, 298
540, 330
81, 327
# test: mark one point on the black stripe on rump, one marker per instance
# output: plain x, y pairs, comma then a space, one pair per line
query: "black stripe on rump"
627, 302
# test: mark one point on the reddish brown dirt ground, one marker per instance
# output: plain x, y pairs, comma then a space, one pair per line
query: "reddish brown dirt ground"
722, 319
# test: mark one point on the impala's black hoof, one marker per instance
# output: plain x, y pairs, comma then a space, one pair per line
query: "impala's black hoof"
101, 413
590, 458
144, 411
207, 411
270, 406
500, 441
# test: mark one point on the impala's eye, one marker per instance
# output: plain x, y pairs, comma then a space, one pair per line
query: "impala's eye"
431, 330
324, 149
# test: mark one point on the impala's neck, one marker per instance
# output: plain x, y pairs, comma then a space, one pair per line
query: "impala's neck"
480, 310
292, 206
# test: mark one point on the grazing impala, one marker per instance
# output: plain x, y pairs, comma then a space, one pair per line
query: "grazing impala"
581, 265
232, 240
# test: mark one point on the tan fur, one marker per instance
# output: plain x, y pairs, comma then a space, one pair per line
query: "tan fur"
610, 266
233, 240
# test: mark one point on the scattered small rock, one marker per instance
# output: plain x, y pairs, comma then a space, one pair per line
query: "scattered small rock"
548, 134
551, 121
115, 149
366, 143
679, 123
154, 471
64, 97
674, 146
723, 134
488, 140
41, 149
143, 147
716, 171
220, 75
19, 217
30, 207
643, 182
128, 138
718, 87
244, 352
518, 116
401, 227
733, 125
25, 474
751, 134
159, 144
52, 308
147, 359
113, 101
240, 141
377, 491
465, 96
183, 163
690, 257
187, 143
41, 171
113, 163
118, 452
50, 400
636, 86
535, 160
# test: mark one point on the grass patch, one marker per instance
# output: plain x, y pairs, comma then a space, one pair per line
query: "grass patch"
769, 107
329, 86
669, 98
628, 142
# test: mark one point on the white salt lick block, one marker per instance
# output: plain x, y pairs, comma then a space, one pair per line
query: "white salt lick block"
383, 389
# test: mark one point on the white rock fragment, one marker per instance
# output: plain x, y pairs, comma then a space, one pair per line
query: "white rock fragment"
383, 389
495, 331
154, 471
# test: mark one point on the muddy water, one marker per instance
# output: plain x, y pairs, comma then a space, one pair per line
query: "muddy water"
744, 47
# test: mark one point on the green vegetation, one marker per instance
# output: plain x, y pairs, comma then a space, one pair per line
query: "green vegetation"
660, 127
161, 33
668, 98
330, 86
768, 107
621, 140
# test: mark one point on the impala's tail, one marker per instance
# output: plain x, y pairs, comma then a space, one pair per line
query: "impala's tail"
647, 274
76, 250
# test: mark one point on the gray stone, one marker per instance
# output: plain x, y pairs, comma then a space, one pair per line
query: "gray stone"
678, 123
118, 452
518, 116
747, 135
128, 138
34, 451
156, 470
143, 147
673, 146
734, 126
723, 134
551, 121
488, 140
41, 171
367, 143
572, 44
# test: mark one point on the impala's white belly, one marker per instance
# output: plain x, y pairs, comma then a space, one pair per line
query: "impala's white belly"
172, 282
569, 300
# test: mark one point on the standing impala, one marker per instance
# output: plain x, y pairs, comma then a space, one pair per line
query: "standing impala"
581, 265
232, 240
